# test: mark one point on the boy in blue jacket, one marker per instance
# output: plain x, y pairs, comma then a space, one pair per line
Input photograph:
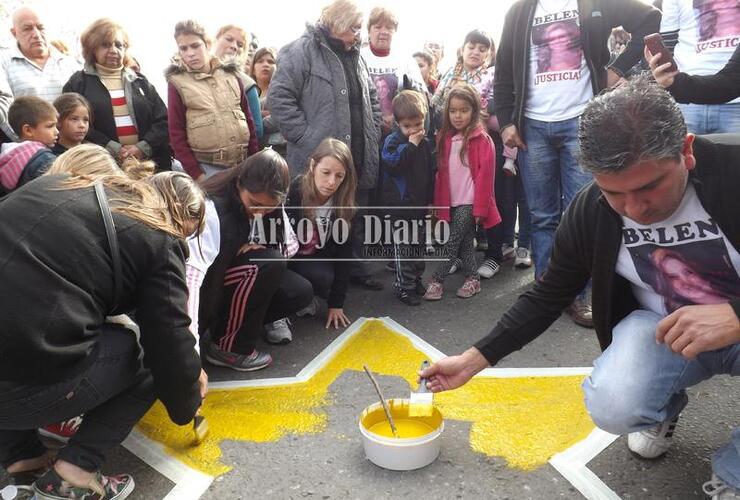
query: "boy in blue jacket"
407, 176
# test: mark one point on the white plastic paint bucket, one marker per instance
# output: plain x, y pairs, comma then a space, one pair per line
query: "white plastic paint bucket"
402, 453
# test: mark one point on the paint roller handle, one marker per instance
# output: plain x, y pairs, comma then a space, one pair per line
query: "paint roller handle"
423, 382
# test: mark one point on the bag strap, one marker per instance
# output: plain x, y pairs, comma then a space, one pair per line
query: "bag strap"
110, 231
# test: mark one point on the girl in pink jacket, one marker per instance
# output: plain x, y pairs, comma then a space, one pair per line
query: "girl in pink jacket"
464, 187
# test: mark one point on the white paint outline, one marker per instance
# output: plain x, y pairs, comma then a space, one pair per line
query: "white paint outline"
571, 463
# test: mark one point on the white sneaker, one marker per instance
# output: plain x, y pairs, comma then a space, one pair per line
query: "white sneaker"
456, 263
719, 490
523, 258
278, 332
653, 442
488, 269
310, 309
507, 251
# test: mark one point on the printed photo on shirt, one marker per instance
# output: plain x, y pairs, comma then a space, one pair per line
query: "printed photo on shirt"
717, 19
386, 85
558, 46
694, 273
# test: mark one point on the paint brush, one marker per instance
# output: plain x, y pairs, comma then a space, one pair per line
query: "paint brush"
421, 401
382, 401
200, 427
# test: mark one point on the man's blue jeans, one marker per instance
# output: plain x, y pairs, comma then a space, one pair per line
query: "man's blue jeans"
551, 177
712, 118
637, 384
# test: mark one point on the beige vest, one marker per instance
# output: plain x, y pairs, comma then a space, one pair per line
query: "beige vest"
216, 125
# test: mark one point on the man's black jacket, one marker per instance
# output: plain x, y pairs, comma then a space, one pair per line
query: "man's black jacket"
587, 245
596, 18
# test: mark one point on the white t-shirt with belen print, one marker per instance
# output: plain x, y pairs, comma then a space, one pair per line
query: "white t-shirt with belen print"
559, 82
683, 260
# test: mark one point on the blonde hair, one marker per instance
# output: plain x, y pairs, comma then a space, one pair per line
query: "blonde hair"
101, 31
90, 161
340, 15
185, 199
344, 197
87, 164
241, 30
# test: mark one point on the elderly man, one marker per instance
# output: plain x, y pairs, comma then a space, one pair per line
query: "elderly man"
33, 66
657, 232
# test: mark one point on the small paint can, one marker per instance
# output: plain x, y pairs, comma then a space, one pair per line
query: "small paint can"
419, 442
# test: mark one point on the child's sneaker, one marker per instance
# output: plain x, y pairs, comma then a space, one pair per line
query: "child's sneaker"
456, 264
469, 288
719, 490
408, 297
488, 269
17, 492
61, 431
52, 487
434, 291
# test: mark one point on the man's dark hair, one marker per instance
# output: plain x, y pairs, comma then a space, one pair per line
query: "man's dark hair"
636, 122
29, 110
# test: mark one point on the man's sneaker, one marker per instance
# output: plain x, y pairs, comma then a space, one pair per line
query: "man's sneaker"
278, 332
408, 297
580, 312
456, 264
488, 269
434, 291
62, 431
240, 362
52, 487
469, 288
523, 258
310, 310
507, 251
653, 442
719, 490
419, 288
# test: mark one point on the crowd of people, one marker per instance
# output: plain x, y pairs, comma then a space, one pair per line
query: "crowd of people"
168, 236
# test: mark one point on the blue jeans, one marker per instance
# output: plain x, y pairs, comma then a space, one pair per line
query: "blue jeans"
637, 384
551, 177
712, 118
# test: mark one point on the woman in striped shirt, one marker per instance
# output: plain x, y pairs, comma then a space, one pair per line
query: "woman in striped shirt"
130, 119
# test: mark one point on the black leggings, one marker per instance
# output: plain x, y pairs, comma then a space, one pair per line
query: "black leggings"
258, 289
113, 393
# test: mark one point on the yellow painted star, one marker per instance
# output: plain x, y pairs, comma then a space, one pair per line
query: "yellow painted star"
524, 420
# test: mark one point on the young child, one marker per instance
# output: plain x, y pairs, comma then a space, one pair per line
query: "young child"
466, 164
74, 121
34, 121
408, 181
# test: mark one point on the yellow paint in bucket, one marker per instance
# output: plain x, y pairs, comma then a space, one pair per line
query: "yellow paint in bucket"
376, 422
419, 438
